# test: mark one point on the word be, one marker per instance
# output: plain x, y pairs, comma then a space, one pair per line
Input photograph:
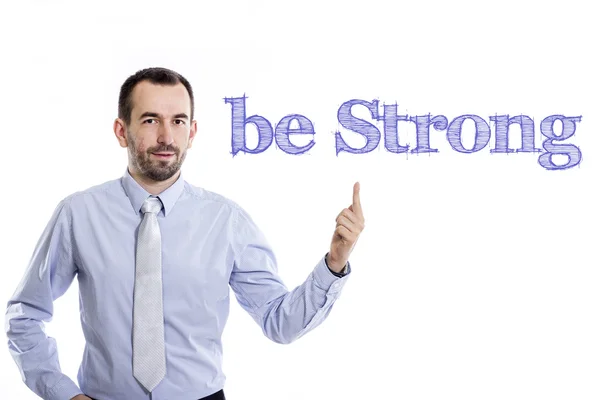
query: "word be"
552, 144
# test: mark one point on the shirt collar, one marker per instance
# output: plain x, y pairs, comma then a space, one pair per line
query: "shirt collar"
137, 194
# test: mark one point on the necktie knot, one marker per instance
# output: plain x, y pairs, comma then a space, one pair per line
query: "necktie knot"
152, 205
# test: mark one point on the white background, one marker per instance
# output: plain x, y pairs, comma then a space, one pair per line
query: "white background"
477, 275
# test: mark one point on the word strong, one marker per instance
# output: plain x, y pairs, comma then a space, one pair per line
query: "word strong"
555, 129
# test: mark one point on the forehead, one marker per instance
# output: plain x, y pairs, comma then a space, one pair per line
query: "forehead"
163, 99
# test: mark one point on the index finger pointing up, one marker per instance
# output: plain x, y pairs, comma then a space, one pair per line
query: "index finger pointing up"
356, 207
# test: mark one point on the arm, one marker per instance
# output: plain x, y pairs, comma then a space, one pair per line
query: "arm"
48, 276
283, 315
287, 315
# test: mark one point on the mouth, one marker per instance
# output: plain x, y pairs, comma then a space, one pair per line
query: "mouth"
163, 156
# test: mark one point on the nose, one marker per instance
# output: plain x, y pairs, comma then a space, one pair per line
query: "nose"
165, 136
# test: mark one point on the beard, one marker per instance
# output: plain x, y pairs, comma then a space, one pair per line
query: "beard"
156, 170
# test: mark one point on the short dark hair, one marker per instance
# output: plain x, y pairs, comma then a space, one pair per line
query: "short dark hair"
157, 75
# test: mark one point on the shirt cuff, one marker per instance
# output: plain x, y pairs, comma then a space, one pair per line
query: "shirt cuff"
326, 280
64, 389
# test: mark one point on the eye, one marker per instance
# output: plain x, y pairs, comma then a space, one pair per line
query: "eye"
148, 121
179, 122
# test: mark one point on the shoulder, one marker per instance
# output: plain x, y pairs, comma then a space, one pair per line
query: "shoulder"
224, 203
81, 197
206, 196
68, 205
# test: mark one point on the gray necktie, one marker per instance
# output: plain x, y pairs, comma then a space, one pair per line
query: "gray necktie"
148, 327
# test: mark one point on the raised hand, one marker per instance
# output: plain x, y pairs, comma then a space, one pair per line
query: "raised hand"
349, 224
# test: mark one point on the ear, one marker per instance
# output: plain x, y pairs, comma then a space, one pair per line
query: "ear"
120, 131
193, 131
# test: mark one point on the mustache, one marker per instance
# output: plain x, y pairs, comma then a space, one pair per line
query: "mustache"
164, 149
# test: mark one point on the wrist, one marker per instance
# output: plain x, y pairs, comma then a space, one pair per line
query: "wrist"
335, 266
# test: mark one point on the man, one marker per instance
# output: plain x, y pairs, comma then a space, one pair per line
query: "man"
154, 257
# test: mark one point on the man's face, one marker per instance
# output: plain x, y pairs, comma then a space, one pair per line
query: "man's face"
160, 131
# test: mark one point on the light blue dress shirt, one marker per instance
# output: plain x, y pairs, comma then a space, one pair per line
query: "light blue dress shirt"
209, 243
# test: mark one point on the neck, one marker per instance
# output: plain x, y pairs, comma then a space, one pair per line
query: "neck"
151, 186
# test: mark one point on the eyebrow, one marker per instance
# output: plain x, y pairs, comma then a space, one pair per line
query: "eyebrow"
156, 115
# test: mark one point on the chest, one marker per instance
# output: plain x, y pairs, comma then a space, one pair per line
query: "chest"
196, 256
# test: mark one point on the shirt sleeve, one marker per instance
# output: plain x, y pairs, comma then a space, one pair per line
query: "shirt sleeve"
49, 274
284, 315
